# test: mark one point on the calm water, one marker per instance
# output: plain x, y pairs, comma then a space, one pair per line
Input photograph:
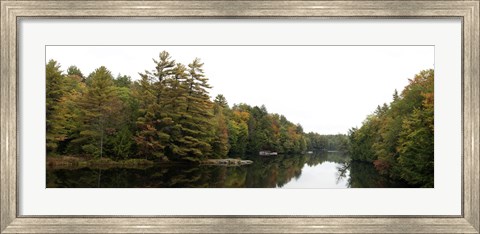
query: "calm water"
322, 170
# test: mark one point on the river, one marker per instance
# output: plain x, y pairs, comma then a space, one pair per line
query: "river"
319, 170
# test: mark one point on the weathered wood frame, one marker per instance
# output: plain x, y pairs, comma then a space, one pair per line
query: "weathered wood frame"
468, 11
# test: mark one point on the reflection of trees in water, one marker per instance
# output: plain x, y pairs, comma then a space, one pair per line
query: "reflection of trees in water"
270, 172
364, 175
265, 172
342, 170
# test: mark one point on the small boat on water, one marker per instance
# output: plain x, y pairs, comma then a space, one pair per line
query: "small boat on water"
267, 153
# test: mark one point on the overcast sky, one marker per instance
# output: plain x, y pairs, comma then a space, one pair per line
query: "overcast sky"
327, 89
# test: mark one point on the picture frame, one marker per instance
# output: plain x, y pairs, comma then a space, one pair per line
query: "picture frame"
12, 222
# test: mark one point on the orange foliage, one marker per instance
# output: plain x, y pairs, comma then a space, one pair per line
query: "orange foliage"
241, 115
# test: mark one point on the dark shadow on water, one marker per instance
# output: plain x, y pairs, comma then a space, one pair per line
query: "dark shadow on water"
364, 175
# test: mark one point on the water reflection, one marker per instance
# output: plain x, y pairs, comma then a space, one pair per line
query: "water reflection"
320, 170
324, 175
364, 175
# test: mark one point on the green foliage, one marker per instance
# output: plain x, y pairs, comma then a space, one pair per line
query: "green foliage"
154, 122
220, 144
100, 112
398, 138
317, 142
74, 71
192, 141
175, 111
253, 129
123, 81
238, 132
54, 93
62, 94
120, 143
220, 101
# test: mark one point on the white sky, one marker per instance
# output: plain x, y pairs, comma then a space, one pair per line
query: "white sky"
327, 89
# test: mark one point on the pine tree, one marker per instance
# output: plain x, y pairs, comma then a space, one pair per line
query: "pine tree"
55, 93
150, 141
163, 70
75, 71
123, 81
196, 125
155, 121
176, 92
221, 101
100, 106
220, 145
395, 95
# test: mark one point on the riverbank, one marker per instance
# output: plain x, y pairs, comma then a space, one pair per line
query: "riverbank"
78, 162
72, 162
227, 162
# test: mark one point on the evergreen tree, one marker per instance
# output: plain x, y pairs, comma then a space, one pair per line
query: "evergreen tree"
55, 93
221, 101
75, 71
100, 106
123, 81
193, 144
153, 121
220, 144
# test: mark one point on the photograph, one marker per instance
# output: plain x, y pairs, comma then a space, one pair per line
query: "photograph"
254, 116
237, 116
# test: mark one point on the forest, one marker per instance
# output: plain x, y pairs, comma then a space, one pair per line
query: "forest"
167, 116
398, 138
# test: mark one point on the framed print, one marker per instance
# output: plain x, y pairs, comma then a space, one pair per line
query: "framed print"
245, 116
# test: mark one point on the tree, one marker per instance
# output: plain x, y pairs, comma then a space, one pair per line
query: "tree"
100, 106
153, 122
221, 101
196, 129
163, 69
123, 81
75, 71
220, 145
395, 96
238, 131
120, 142
398, 138
416, 143
259, 130
55, 93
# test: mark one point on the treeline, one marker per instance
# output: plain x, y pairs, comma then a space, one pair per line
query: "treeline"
317, 142
398, 138
165, 115
252, 129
